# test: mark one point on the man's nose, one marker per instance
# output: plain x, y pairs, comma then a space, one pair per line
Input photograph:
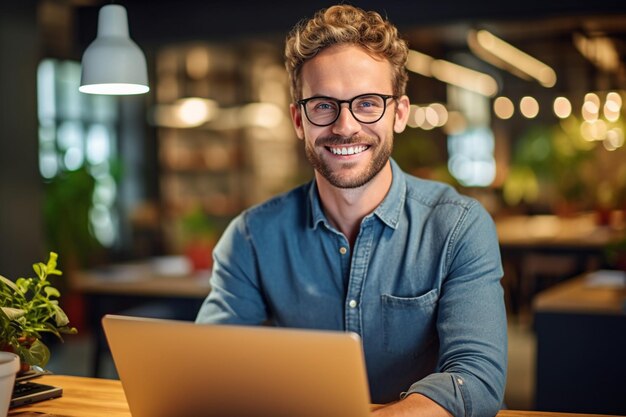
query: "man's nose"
345, 125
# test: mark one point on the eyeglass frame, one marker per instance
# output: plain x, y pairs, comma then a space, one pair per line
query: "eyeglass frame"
385, 97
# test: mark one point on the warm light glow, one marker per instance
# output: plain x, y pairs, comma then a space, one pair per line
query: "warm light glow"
593, 131
529, 107
195, 111
442, 114
598, 50
562, 107
198, 63
503, 108
591, 107
590, 111
456, 123
261, 115
419, 63
614, 97
185, 113
463, 77
453, 74
614, 139
411, 120
612, 107
505, 56
420, 116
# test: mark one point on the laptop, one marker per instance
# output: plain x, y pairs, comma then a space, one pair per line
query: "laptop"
176, 368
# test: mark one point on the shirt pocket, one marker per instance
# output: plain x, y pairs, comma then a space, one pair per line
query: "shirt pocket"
409, 322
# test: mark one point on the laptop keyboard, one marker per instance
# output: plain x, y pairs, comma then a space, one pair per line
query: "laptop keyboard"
25, 388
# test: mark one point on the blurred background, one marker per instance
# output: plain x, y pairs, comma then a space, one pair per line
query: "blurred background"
518, 104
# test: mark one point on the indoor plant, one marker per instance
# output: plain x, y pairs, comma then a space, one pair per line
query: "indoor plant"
29, 308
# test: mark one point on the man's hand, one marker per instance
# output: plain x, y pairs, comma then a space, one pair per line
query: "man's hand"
413, 405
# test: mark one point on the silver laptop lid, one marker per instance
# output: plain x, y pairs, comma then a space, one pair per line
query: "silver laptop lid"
173, 368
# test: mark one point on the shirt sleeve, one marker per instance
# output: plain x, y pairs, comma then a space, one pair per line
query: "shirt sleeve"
235, 296
471, 322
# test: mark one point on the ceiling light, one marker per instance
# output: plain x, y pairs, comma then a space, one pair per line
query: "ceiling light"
562, 107
464, 77
113, 64
505, 56
529, 107
598, 50
453, 74
503, 107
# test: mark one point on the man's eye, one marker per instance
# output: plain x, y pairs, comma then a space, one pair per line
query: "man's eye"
367, 105
324, 106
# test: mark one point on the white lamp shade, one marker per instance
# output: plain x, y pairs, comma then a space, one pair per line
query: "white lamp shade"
113, 63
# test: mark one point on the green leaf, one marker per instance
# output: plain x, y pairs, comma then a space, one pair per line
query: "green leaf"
60, 317
37, 355
40, 270
52, 292
24, 284
8, 283
13, 313
51, 267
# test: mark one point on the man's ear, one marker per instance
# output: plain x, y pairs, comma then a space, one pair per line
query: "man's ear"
296, 119
402, 114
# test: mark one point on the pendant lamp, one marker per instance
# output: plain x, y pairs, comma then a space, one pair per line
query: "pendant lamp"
113, 64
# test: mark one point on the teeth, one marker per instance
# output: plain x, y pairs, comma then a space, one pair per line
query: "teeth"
348, 150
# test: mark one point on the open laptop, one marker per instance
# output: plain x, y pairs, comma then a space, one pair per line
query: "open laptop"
174, 368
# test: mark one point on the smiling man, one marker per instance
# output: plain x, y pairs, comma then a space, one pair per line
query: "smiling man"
410, 265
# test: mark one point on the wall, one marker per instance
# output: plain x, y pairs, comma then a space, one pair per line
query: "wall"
21, 235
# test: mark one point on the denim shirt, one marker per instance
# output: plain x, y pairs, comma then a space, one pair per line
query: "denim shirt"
421, 286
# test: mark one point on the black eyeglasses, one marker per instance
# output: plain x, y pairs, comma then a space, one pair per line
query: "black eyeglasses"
365, 108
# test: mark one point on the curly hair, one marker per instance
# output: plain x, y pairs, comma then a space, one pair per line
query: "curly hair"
345, 24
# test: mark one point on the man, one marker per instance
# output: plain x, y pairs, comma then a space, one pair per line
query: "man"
408, 264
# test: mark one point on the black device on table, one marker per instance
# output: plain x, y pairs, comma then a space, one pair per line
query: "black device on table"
27, 392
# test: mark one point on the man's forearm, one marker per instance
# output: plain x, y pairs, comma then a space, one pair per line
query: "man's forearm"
414, 405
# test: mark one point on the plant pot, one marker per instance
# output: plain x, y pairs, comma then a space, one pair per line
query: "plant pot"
9, 365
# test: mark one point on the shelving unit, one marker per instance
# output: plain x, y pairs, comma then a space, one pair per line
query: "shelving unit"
224, 134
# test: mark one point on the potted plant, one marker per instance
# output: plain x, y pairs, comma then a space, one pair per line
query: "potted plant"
29, 308
199, 236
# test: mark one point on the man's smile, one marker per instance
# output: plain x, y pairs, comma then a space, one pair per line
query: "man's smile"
347, 150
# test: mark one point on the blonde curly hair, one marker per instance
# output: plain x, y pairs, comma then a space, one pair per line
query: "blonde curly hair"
345, 24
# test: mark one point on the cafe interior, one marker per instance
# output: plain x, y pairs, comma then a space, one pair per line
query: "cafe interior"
519, 104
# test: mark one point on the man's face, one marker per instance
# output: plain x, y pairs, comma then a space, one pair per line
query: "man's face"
347, 153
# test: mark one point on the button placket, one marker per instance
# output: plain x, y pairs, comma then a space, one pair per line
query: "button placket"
358, 269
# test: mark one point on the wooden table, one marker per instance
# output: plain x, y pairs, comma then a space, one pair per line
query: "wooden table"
92, 397
140, 289
585, 294
140, 279
550, 246
581, 346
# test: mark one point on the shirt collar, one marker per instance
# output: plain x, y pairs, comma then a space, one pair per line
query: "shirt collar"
317, 213
388, 211
390, 208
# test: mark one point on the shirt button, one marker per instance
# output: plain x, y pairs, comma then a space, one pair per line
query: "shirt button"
352, 303
343, 250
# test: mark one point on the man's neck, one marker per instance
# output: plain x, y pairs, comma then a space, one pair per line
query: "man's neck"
346, 207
